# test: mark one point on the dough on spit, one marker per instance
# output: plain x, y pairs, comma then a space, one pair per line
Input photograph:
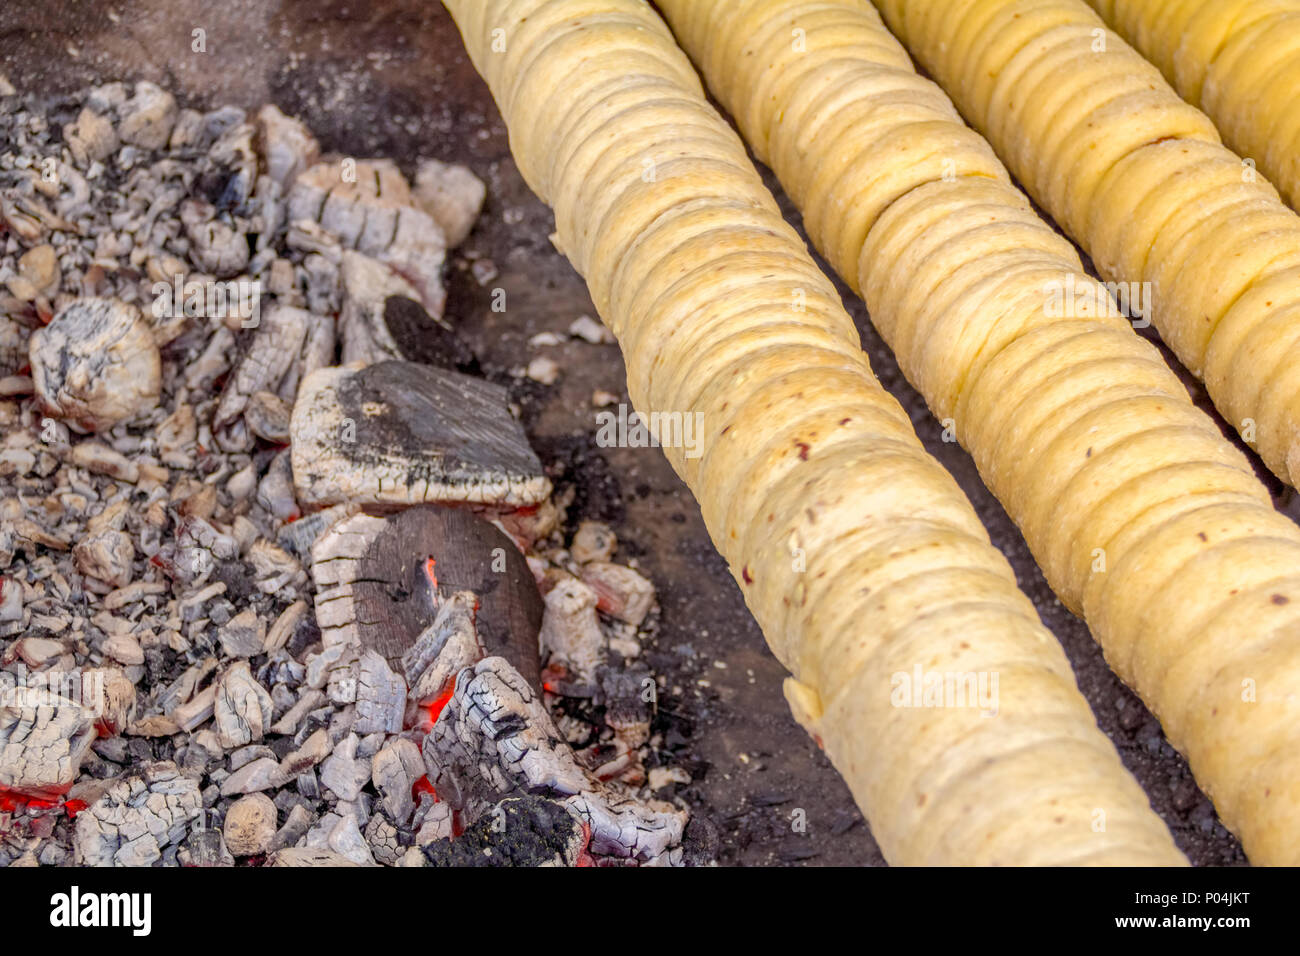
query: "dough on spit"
916, 661
1144, 518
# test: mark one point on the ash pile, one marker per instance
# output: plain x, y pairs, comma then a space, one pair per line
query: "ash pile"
272, 592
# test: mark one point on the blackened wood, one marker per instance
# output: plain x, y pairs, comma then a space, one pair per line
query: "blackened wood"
395, 595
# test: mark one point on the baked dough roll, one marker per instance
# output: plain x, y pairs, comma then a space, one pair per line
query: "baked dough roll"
1238, 60
1139, 178
1144, 518
916, 661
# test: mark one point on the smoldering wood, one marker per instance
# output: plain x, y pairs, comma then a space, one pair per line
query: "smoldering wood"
382, 581
399, 433
96, 363
444, 649
370, 208
495, 738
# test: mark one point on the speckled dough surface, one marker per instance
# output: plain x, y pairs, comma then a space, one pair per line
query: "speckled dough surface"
1144, 519
857, 553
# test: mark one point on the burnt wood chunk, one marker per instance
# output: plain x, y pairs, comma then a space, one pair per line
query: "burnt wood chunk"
382, 581
496, 739
422, 338
518, 831
96, 363
398, 433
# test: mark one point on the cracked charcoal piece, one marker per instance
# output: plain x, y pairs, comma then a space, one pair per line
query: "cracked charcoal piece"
375, 583
287, 343
137, 817
374, 213
422, 338
42, 744
495, 738
518, 831
96, 363
401, 433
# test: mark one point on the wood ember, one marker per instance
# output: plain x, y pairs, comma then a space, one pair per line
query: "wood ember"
495, 738
295, 827
137, 817
368, 206
243, 635
398, 433
447, 646
96, 363
249, 826
346, 840
90, 137
241, 708
570, 631
262, 774
115, 703
384, 841
380, 583
593, 541
395, 770
452, 195
105, 555
620, 591
43, 740
147, 118
286, 344
344, 771
381, 696
287, 145
216, 244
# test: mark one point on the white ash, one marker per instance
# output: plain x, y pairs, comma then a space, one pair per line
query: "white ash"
496, 735
571, 631
43, 741
136, 818
166, 561
96, 363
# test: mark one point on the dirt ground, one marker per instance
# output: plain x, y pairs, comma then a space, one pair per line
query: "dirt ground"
390, 77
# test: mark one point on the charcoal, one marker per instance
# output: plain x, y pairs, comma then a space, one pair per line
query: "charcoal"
518, 831
381, 582
401, 433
